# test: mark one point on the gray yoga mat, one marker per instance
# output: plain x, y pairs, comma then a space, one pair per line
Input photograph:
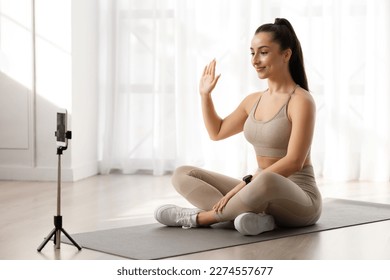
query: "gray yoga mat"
155, 241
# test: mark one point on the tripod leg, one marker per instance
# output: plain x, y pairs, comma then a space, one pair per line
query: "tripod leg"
71, 239
47, 239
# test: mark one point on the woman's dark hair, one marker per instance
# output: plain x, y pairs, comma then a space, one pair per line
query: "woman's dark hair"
283, 33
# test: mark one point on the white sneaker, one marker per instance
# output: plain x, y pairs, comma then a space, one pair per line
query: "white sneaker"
175, 216
254, 224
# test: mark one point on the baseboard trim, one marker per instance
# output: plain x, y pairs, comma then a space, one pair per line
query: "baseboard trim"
22, 173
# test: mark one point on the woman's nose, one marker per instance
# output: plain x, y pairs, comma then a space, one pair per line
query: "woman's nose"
255, 60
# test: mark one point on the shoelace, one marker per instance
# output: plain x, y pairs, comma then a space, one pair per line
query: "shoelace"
184, 218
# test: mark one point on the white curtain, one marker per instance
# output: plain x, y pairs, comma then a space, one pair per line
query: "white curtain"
152, 53
349, 65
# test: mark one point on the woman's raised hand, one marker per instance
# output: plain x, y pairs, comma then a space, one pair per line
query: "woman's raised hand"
208, 80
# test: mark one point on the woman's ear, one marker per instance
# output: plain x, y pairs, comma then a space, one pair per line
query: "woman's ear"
287, 55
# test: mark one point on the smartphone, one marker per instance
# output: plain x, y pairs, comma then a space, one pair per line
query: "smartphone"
62, 116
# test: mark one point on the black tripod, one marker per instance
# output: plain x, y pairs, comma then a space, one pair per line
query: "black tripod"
56, 232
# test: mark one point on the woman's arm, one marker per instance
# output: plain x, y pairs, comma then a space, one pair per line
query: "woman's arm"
302, 114
217, 127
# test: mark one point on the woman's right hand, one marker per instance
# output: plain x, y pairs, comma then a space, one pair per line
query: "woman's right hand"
208, 79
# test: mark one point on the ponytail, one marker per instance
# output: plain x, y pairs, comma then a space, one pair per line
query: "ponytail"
284, 34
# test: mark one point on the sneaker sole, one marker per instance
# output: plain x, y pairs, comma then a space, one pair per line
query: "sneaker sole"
253, 224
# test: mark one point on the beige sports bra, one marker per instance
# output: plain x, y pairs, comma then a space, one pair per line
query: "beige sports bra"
269, 138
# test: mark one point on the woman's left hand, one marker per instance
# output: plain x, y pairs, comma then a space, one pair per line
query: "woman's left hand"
218, 207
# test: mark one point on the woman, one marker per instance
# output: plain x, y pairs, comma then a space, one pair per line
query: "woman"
279, 123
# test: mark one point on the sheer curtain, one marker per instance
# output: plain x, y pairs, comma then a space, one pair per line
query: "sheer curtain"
152, 53
349, 66
137, 75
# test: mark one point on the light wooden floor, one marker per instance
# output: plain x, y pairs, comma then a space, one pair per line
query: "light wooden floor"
103, 202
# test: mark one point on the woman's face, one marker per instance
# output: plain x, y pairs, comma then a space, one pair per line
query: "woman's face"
267, 58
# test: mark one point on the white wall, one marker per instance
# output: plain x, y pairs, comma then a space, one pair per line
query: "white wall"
65, 71
84, 88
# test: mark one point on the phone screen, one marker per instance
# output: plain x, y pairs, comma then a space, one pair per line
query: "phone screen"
61, 128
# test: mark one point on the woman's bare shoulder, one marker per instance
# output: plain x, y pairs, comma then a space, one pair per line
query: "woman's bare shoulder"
302, 104
302, 97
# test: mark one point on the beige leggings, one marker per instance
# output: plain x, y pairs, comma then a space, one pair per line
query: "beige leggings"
294, 201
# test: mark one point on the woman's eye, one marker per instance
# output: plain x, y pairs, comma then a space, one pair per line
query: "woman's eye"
264, 53
252, 53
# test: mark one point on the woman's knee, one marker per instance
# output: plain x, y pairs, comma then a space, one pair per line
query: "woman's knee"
266, 181
180, 177
181, 170
261, 190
